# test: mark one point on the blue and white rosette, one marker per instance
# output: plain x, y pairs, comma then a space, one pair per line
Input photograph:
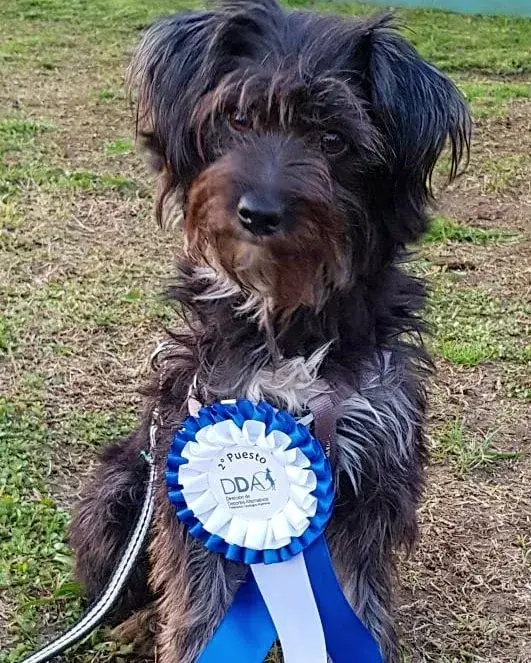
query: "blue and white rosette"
254, 485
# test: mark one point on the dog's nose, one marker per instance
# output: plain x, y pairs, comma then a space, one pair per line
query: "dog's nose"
260, 215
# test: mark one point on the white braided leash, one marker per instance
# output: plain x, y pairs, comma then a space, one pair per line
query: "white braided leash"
112, 591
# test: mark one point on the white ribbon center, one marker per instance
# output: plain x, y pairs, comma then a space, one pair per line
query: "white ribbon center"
246, 486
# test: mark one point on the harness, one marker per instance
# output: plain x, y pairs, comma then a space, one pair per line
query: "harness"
322, 413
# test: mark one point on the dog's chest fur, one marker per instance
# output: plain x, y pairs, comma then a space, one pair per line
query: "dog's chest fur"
291, 382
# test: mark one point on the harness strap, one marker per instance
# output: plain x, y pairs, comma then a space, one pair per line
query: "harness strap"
323, 409
324, 414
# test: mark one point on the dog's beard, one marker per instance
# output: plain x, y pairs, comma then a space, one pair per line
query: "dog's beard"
277, 274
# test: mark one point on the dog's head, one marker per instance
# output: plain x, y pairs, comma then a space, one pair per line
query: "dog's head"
300, 146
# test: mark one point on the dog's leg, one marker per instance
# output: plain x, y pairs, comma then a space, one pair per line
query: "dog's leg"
379, 481
104, 518
194, 588
365, 567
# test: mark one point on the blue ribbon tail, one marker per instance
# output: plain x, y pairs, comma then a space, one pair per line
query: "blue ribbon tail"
246, 633
347, 639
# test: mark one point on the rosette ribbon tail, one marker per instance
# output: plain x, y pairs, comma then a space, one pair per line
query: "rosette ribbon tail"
347, 639
288, 595
299, 601
246, 633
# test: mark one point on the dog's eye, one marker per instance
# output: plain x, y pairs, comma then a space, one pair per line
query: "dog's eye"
240, 121
333, 143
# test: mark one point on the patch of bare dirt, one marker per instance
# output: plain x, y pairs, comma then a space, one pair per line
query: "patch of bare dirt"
506, 135
478, 396
495, 191
466, 592
485, 210
503, 269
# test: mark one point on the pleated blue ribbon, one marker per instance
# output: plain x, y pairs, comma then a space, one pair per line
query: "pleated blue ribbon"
248, 630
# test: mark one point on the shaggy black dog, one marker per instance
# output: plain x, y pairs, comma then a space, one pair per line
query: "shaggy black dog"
297, 151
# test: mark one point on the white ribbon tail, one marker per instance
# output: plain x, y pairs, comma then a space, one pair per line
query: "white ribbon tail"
289, 598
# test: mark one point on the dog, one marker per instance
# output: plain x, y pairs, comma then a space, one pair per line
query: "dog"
296, 151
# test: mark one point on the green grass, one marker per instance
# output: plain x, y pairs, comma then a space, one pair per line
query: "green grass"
499, 174
13, 178
453, 42
120, 146
445, 230
34, 556
7, 336
458, 351
19, 134
493, 45
20, 129
517, 383
107, 95
472, 326
97, 13
76, 304
492, 98
24, 158
35, 562
467, 451
93, 429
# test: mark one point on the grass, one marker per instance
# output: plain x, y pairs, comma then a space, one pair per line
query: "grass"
24, 162
15, 130
35, 563
7, 336
518, 383
473, 326
82, 264
18, 135
446, 230
466, 451
52, 308
490, 45
34, 559
456, 43
109, 95
120, 146
499, 174
17, 177
489, 98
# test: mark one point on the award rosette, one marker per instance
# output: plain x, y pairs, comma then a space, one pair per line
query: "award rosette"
254, 485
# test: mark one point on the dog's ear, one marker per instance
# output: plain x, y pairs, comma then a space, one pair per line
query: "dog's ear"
181, 58
177, 62
416, 108
243, 24
167, 76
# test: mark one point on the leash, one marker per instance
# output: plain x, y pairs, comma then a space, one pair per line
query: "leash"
114, 587
322, 414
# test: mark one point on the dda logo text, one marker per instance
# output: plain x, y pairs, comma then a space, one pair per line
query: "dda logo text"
261, 481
